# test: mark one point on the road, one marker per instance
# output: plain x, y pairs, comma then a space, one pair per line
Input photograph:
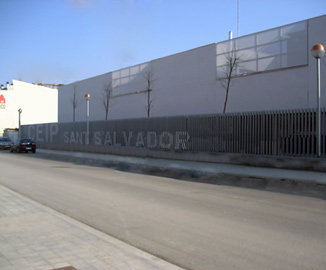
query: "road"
194, 225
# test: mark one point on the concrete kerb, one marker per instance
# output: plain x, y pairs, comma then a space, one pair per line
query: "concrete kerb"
191, 169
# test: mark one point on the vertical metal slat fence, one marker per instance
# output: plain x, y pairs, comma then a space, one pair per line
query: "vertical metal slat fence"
277, 133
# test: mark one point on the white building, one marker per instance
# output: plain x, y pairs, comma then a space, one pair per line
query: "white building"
39, 104
275, 71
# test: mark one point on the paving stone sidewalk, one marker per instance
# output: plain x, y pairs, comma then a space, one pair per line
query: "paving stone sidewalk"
35, 237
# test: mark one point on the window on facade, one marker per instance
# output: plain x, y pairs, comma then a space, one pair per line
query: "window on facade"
129, 80
277, 48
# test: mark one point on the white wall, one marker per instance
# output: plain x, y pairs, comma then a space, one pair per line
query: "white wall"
188, 83
39, 105
278, 90
185, 83
7, 115
181, 84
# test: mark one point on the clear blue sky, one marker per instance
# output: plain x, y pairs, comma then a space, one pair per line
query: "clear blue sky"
62, 41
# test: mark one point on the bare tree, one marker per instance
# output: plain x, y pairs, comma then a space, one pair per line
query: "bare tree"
74, 101
106, 98
148, 90
232, 62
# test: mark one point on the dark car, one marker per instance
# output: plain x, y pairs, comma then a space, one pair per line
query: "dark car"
23, 145
5, 143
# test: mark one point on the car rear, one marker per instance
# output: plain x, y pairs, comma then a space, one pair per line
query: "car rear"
27, 145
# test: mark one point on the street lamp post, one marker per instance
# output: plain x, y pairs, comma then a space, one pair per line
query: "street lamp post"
318, 51
19, 117
88, 97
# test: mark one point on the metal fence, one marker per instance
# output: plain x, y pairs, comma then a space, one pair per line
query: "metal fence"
279, 133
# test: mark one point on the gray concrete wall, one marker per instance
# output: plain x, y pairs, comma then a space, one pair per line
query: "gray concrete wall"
187, 83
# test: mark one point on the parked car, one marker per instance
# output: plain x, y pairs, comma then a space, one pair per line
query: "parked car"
23, 145
5, 143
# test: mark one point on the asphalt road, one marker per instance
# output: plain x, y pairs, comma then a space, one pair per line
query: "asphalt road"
196, 226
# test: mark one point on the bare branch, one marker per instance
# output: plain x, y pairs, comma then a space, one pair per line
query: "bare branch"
106, 97
149, 81
74, 101
232, 59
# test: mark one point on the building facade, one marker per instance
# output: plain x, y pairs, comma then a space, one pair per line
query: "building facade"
274, 71
38, 104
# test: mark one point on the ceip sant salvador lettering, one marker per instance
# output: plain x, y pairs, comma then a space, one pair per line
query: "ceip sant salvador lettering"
43, 133
150, 139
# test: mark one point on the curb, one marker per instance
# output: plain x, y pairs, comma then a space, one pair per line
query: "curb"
279, 180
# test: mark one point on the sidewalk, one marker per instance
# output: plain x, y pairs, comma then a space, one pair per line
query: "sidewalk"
35, 237
193, 167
